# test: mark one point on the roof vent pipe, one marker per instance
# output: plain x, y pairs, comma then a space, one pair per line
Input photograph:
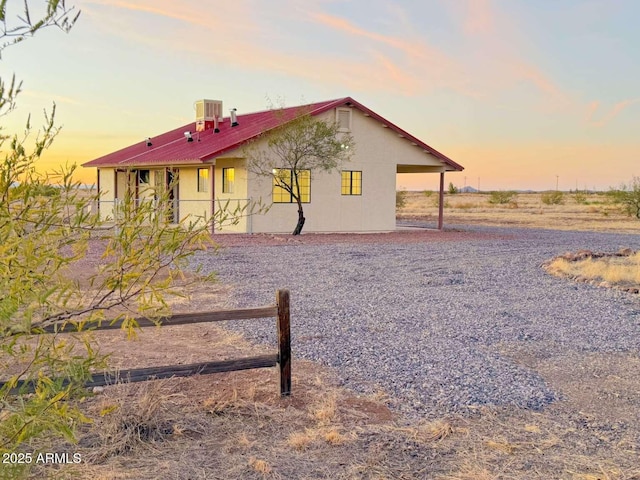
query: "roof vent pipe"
215, 124
234, 118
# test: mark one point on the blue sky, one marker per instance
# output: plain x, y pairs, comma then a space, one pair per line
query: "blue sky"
516, 91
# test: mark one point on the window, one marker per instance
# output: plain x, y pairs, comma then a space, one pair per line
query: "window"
343, 118
203, 179
351, 182
228, 178
143, 176
285, 176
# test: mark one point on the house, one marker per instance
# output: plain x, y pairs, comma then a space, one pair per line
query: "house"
206, 159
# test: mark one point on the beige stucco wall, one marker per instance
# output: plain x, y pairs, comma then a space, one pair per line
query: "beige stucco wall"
106, 180
377, 153
194, 206
230, 204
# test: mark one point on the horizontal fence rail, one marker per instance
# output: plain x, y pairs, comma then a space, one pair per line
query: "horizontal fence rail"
282, 358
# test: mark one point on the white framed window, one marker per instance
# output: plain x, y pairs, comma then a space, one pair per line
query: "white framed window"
343, 119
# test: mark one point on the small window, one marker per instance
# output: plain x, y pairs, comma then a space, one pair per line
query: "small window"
203, 179
143, 176
228, 179
351, 182
285, 177
343, 118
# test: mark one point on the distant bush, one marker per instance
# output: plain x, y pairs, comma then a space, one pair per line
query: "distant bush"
427, 193
553, 198
628, 196
580, 197
452, 189
37, 189
401, 198
502, 197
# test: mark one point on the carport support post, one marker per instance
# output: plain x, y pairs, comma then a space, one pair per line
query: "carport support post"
441, 202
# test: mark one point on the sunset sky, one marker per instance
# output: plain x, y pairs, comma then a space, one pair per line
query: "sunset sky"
521, 93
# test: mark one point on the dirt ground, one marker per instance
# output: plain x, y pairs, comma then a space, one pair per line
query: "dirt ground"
236, 426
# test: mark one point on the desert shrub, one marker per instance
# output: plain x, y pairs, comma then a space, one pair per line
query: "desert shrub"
46, 227
502, 197
580, 196
628, 196
452, 189
401, 198
553, 198
428, 193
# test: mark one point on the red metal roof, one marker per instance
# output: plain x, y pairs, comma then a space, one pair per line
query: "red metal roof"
171, 148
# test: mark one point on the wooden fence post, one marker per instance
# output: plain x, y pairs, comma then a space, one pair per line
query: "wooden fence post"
284, 341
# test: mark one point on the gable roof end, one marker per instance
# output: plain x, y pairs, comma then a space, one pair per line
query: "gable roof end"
172, 147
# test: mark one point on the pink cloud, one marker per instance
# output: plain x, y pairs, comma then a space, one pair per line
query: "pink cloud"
479, 19
610, 115
592, 107
221, 19
497, 47
419, 66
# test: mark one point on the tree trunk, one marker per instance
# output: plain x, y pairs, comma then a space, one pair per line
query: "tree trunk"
301, 219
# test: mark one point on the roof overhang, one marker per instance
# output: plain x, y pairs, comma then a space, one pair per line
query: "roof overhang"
424, 169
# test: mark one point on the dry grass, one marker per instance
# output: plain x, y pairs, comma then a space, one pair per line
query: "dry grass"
615, 270
324, 412
593, 213
235, 426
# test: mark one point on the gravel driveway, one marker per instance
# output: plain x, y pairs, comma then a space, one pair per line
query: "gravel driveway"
426, 321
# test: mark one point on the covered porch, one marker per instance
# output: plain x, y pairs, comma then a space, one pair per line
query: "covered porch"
439, 169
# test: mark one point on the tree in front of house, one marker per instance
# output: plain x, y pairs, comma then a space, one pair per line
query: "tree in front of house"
294, 152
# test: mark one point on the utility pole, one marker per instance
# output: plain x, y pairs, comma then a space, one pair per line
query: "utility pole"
557, 179
478, 184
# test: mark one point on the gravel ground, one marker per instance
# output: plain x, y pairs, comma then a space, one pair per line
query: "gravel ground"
425, 321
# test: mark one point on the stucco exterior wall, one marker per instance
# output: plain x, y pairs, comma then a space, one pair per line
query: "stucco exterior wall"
377, 153
194, 206
228, 203
106, 180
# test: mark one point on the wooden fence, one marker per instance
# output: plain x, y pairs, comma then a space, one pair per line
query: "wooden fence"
282, 358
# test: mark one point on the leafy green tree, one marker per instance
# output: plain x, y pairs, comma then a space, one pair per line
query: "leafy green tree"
47, 227
297, 149
452, 189
628, 196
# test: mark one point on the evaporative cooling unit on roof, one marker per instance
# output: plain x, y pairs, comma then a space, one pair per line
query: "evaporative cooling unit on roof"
208, 113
